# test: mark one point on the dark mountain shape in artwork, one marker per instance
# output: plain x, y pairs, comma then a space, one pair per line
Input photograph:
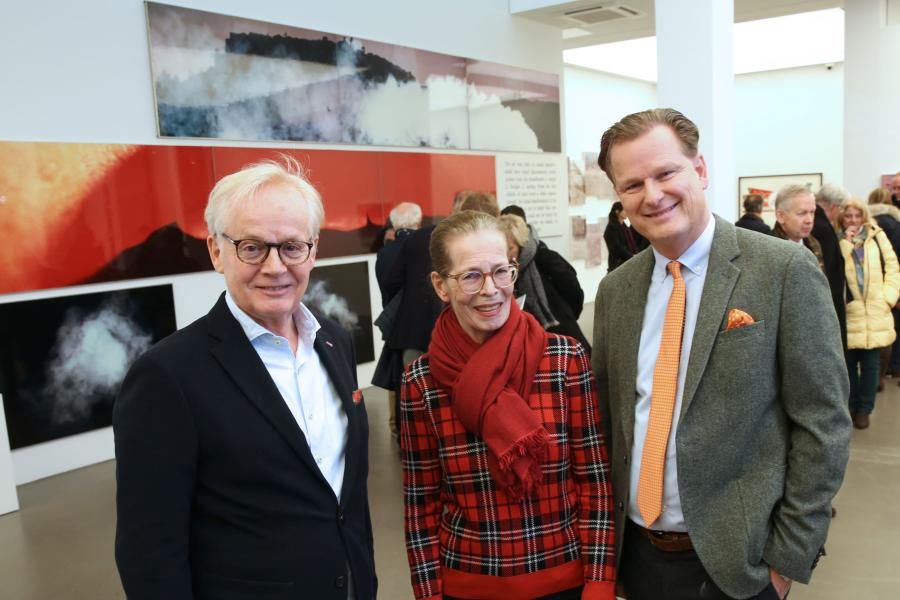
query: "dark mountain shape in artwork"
374, 68
543, 119
166, 251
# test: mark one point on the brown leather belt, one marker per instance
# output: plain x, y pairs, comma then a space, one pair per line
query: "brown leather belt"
667, 541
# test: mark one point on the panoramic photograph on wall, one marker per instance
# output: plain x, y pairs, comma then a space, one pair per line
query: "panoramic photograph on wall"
341, 293
90, 213
62, 360
217, 76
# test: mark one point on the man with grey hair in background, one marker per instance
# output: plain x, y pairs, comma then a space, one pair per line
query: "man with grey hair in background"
895, 190
829, 199
406, 218
795, 209
242, 439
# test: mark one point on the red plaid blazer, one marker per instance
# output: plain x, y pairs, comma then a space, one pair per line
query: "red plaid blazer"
460, 526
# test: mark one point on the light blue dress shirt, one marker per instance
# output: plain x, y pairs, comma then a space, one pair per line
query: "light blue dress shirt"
305, 387
694, 263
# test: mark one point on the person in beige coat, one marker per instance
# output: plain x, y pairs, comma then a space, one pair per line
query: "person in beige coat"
873, 284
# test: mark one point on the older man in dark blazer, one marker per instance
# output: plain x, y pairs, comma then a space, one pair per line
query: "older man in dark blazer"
241, 440
719, 365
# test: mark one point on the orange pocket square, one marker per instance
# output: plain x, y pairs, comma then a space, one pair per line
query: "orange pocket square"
738, 318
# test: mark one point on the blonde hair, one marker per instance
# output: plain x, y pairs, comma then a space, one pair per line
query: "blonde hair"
241, 188
458, 224
880, 196
637, 124
515, 229
482, 202
853, 203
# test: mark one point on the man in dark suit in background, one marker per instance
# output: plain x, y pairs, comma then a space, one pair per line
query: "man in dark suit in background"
829, 199
752, 219
723, 474
241, 440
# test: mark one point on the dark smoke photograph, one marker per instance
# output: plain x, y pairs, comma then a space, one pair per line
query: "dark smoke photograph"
62, 360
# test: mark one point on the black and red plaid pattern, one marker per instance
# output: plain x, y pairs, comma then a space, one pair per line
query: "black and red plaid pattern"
457, 518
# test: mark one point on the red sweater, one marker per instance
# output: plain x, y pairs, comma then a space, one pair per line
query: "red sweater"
467, 538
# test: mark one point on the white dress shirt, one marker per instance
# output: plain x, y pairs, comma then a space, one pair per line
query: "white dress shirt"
305, 387
694, 263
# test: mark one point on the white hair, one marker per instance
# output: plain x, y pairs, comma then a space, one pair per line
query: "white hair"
832, 195
785, 197
406, 215
239, 189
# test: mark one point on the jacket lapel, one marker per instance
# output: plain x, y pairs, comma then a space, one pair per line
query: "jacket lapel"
241, 362
721, 276
341, 379
631, 321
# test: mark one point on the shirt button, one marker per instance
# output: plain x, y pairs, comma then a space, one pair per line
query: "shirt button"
309, 417
319, 459
340, 581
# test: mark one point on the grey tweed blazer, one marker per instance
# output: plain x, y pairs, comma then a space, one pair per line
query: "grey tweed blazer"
763, 438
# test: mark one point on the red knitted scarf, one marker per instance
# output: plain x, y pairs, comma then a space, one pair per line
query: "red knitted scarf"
488, 385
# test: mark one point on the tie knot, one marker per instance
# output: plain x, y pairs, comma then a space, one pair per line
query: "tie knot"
675, 269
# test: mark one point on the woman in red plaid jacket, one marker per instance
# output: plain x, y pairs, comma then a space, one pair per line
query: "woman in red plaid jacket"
506, 478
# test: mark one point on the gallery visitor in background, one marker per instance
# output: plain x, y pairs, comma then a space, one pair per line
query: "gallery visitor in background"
752, 217
887, 216
829, 199
505, 469
873, 285
547, 281
242, 439
622, 240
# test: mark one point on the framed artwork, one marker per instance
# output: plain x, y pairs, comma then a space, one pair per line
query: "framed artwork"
341, 293
62, 360
112, 211
768, 185
218, 76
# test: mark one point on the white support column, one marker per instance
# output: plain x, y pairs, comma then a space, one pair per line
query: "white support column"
696, 77
871, 93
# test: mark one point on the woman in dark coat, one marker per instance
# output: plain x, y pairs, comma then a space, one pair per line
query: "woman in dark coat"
622, 240
548, 282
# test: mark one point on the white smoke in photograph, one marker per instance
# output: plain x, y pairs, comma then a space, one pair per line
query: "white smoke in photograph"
91, 355
319, 298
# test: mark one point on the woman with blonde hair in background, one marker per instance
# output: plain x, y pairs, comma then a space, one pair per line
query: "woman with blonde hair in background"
873, 287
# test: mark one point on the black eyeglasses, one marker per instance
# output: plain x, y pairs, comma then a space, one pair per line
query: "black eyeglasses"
255, 252
471, 282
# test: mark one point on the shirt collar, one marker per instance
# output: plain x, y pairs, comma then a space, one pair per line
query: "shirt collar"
695, 259
306, 323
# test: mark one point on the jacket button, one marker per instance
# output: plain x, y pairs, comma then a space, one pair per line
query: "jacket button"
625, 458
341, 517
621, 505
340, 581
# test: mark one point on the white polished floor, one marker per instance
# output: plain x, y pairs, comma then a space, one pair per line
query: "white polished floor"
60, 545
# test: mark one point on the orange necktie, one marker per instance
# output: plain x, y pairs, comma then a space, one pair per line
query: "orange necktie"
662, 403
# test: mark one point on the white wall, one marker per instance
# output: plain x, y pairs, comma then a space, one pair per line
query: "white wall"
594, 101
790, 121
79, 72
786, 121
872, 95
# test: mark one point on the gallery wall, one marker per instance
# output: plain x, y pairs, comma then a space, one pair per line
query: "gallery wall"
786, 121
81, 74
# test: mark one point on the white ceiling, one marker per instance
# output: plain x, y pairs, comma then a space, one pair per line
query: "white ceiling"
644, 25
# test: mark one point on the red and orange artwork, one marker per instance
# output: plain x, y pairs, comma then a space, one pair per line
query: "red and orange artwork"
84, 213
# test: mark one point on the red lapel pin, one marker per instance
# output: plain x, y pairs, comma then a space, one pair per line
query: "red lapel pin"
357, 396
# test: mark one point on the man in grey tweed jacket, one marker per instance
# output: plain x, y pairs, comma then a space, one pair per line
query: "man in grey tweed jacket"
760, 430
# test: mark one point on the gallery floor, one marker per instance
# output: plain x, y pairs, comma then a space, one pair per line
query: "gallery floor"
59, 546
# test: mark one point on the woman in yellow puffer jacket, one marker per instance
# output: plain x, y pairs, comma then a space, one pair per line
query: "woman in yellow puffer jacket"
873, 285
